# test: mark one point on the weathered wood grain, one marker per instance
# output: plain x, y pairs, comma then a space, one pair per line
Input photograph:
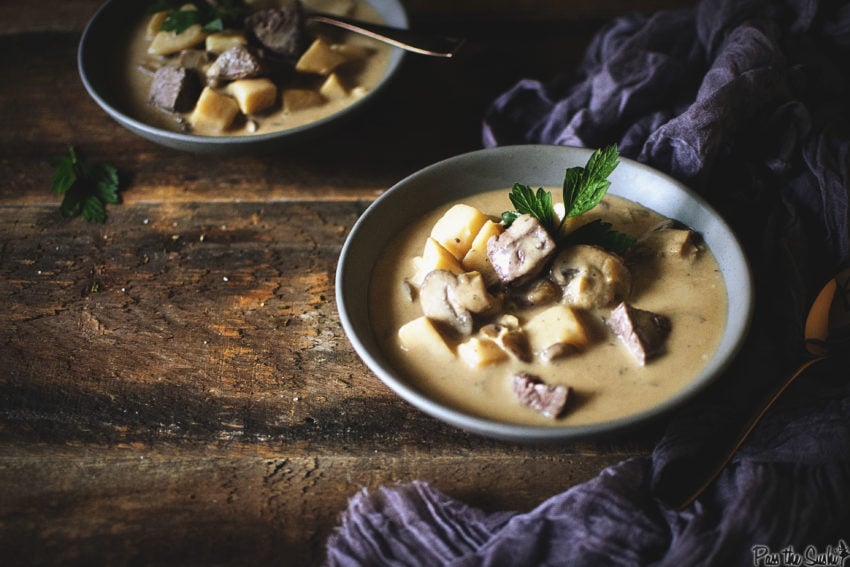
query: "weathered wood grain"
175, 385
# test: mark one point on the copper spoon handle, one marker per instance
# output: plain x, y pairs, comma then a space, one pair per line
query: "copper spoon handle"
416, 42
710, 474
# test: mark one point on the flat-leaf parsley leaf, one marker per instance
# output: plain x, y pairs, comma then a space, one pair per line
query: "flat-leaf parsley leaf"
87, 188
212, 16
583, 189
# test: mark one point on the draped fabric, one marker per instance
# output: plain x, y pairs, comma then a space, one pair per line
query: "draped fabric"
747, 102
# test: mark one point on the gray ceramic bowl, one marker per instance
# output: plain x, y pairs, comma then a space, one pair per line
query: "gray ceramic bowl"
109, 27
484, 170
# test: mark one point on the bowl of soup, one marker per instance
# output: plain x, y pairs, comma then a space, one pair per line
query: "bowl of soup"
477, 319
204, 80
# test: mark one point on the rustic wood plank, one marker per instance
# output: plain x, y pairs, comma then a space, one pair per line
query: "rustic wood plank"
176, 387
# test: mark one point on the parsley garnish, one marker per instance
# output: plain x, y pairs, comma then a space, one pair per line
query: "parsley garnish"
583, 189
600, 233
539, 205
213, 17
87, 188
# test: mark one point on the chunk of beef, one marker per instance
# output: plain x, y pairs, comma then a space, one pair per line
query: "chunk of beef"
642, 332
547, 399
238, 62
280, 31
175, 89
521, 251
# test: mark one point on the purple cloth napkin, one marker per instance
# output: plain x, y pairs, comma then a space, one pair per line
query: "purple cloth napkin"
748, 102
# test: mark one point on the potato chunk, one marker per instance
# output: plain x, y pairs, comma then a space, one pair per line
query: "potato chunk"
320, 58
332, 88
169, 42
476, 258
457, 228
214, 111
336, 7
253, 95
220, 42
435, 257
477, 352
155, 23
421, 335
555, 332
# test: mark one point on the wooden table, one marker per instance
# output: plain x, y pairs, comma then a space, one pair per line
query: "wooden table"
175, 385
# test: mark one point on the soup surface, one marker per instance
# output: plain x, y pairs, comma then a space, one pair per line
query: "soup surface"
357, 77
605, 379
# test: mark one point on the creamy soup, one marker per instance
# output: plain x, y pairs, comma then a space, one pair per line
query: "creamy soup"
606, 380
300, 97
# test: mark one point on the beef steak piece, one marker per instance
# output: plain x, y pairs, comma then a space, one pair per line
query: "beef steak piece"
547, 399
280, 30
643, 332
175, 89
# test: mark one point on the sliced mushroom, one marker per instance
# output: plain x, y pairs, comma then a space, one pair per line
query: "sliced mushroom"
591, 277
452, 299
538, 292
506, 333
521, 251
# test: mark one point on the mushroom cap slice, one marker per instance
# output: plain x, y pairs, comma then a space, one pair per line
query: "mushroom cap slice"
591, 277
452, 299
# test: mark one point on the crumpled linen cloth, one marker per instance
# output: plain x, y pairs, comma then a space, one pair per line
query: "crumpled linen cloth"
747, 102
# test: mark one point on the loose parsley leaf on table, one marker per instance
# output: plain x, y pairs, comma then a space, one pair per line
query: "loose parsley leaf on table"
87, 188
583, 189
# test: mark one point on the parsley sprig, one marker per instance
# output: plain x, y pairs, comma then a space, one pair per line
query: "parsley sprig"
583, 189
213, 17
87, 188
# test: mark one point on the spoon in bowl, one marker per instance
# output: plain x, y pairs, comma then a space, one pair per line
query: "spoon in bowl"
827, 326
413, 41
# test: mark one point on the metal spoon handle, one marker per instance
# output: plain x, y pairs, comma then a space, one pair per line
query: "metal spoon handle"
416, 42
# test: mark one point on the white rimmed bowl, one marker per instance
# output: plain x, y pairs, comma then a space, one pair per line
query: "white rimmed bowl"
484, 170
110, 27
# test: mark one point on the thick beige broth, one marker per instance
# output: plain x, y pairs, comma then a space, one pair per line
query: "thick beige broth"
607, 383
362, 76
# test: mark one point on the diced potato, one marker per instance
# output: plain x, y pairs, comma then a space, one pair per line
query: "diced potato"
155, 23
476, 258
351, 52
421, 335
336, 7
558, 325
332, 88
320, 58
220, 42
477, 352
214, 112
297, 99
435, 257
457, 229
253, 95
169, 42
